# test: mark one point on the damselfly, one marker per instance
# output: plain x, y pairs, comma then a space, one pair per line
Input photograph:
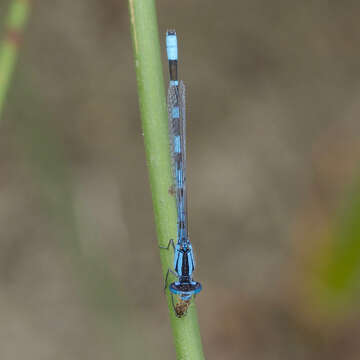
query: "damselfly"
184, 264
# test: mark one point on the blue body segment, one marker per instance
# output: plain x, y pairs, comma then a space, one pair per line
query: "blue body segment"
171, 45
184, 264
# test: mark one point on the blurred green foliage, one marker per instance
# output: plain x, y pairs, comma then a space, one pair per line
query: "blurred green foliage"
335, 276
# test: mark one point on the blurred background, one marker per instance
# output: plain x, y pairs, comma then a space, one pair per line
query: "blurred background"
273, 93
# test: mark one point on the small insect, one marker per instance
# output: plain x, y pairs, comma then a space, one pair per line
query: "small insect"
172, 190
181, 307
185, 288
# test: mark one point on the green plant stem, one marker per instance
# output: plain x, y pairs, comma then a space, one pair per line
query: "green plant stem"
15, 24
151, 91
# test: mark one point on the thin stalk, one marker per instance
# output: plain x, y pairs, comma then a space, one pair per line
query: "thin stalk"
145, 37
15, 23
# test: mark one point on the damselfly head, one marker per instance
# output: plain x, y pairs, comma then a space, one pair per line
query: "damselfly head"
185, 290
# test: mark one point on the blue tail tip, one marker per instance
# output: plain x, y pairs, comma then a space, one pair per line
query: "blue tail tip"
171, 45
